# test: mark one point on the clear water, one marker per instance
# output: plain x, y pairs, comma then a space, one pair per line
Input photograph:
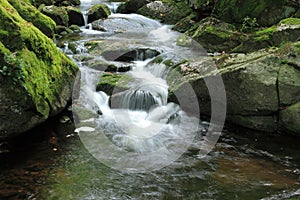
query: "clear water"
53, 164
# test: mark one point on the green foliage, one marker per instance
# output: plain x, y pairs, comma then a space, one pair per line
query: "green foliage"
13, 69
249, 24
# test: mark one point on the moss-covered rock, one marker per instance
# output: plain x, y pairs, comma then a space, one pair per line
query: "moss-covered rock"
31, 14
290, 118
75, 16
131, 6
167, 11
36, 78
287, 30
110, 83
257, 86
266, 12
215, 35
289, 76
58, 14
98, 11
37, 3
185, 24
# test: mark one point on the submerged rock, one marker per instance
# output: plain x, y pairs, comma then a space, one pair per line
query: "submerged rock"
36, 78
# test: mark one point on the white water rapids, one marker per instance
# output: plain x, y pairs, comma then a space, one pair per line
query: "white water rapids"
140, 130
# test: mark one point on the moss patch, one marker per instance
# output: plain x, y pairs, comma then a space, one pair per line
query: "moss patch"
47, 70
290, 21
31, 14
109, 81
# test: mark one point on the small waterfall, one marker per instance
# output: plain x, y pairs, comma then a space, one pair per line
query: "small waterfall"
85, 17
138, 120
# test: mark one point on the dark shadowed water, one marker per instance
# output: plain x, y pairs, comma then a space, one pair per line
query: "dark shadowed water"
52, 163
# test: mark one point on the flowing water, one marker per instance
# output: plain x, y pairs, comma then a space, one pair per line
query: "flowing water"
149, 148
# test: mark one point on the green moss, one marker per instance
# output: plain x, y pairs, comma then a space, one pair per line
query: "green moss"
46, 69
109, 81
267, 31
100, 6
58, 14
290, 21
115, 79
31, 14
224, 34
297, 46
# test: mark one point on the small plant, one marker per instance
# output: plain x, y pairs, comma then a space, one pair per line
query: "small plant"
13, 69
248, 25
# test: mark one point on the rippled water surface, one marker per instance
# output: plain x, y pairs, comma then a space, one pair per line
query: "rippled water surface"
53, 164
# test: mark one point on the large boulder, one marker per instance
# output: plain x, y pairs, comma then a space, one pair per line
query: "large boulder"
58, 14
31, 14
261, 87
290, 118
75, 16
215, 35
131, 6
36, 78
169, 11
287, 30
98, 11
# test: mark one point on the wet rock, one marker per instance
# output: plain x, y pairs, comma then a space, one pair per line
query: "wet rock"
262, 123
58, 14
169, 12
98, 11
257, 86
113, 83
287, 30
290, 118
215, 35
102, 65
75, 28
129, 55
289, 81
33, 15
67, 3
42, 84
185, 24
131, 6
136, 25
75, 16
